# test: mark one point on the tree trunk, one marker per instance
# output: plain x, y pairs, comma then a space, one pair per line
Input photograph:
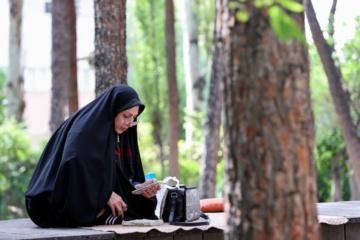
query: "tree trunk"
156, 115
60, 62
270, 173
194, 93
340, 101
110, 44
210, 156
173, 94
354, 188
336, 187
72, 84
15, 80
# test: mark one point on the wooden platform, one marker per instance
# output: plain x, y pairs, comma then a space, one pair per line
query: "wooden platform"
26, 229
337, 212
338, 220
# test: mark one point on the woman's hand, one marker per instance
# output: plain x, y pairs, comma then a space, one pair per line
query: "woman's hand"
116, 202
150, 191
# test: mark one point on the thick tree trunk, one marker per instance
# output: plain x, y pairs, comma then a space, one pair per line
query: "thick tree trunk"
173, 94
72, 84
270, 173
210, 156
15, 80
340, 100
60, 62
110, 44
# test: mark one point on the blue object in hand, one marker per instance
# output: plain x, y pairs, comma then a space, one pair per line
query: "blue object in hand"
149, 176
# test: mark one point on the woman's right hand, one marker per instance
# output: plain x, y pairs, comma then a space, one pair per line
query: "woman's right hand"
116, 202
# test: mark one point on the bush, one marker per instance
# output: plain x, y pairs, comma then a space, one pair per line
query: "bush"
17, 160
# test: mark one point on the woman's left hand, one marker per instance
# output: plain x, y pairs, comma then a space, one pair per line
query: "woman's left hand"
150, 191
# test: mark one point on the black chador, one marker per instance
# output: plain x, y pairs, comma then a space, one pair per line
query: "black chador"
83, 163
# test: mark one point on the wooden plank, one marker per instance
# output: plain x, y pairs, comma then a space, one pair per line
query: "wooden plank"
26, 229
155, 234
167, 236
332, 232
348, 209
352, 230
214, 233
194, 234
132, 236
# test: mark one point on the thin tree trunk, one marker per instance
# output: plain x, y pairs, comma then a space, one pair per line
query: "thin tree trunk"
336, 187
270, 173
210, 156
354, 188
60, 62
156, 120
15, 80
110, 44
72, 84
341, 104
173, 94
335, 174
194, 94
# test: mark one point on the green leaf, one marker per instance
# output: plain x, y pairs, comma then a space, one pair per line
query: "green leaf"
263, 3
292, 5
235, 5
242, 16
284, 26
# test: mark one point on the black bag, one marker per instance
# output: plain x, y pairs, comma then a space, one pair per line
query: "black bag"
181, 206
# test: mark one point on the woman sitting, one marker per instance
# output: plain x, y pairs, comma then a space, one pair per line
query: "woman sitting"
90, 166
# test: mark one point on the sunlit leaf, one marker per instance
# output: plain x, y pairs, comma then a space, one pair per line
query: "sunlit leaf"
263, 3
292, 5
235, 5
242, 16
284, 26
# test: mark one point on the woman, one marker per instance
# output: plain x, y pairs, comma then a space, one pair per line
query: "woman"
90, 166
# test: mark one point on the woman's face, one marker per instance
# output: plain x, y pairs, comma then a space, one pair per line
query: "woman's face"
125, 119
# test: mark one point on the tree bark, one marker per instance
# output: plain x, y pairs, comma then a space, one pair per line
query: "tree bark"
270, 173
173, 94
72, 84
110, 44
340, 101
15, 80
60, 62
210, 157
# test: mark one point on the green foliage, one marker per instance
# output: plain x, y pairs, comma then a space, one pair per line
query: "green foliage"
147, 59
17, 160
206, 19
147, 147
351, 71
282, 23
325, 150
329, 139
322, 101
291, 5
